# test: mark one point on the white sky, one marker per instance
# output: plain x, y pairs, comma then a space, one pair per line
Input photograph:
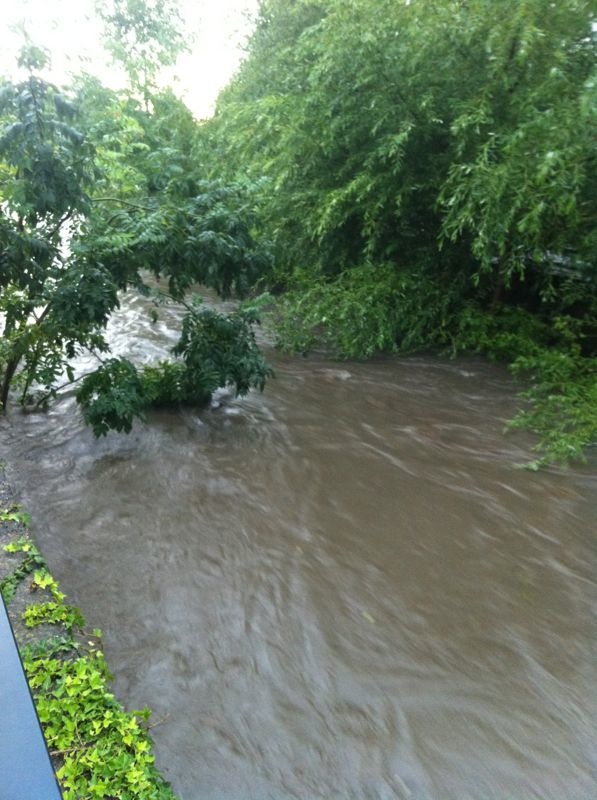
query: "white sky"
68, 28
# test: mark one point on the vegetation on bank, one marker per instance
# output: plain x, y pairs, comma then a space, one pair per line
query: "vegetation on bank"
98, 749
427, 173
395, 176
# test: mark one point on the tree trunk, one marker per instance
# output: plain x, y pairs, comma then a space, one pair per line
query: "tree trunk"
9, 372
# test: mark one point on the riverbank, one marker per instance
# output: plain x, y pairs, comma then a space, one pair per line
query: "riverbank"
97, 748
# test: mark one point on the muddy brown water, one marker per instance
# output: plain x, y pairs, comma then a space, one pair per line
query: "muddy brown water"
339, 589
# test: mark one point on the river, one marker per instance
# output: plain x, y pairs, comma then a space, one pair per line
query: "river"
340, 589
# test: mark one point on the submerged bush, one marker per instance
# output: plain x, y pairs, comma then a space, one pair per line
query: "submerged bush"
216, 350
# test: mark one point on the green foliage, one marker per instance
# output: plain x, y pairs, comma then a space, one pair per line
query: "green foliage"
563, 404
143, 35
13, 514
45, 162
449, 149
112, 397
203, 238
43, 580
363, 311
523, 178
46, 172
220, 350
216, 350
388, 129
53, 613
32, 561
354, 315
85, 213
504, 336
58, 645
167, 385
105, 751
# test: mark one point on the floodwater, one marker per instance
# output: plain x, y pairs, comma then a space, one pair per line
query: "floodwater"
340, 589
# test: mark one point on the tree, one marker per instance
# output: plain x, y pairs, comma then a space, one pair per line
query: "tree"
427, 174
447, 133
81, 223
46, 169
144, 36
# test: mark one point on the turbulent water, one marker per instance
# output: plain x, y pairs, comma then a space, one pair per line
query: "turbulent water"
340, 589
